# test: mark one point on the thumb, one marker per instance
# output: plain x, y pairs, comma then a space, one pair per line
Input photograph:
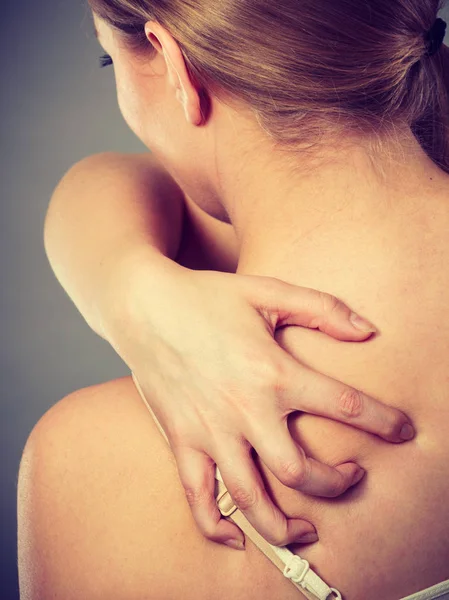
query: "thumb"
287, 304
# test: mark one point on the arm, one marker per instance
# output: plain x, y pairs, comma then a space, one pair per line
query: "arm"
201, 343
110, 207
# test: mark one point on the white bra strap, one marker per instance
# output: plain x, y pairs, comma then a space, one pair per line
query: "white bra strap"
295, 568
292, 566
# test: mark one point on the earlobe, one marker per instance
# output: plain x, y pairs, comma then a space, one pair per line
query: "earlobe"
192, 110
193, 113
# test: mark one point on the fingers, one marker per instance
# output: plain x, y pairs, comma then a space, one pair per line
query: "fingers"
244, 482
289, 464
314, 393
197, 474
285, 304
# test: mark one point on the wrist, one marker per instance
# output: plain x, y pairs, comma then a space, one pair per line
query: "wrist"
134, 272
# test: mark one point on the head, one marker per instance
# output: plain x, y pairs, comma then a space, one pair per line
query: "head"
299, 75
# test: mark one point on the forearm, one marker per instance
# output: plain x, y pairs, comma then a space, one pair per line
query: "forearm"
106, 209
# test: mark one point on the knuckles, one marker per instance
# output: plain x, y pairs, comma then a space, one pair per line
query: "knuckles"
244, 498
293, 474
276, 374
278, 538
209, 530
195, 496
350, 403
330, 303
263, 368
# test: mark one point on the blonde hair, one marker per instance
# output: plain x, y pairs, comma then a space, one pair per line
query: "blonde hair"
302, 66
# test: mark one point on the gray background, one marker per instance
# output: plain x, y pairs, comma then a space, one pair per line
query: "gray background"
57, 106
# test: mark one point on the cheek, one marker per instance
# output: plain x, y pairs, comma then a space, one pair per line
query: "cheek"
144, 108
129, 102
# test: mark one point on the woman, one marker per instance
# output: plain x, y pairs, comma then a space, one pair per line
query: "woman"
320, 134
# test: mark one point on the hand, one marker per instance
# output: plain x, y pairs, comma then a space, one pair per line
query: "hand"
201, 345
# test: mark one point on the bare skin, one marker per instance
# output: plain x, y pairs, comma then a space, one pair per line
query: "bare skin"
374, 235
85, 523
394, 261
95, 546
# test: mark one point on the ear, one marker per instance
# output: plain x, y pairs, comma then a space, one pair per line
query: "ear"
183, 88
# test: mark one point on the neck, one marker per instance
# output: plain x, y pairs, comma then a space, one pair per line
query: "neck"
272, 207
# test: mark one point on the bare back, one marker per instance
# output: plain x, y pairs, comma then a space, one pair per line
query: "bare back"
389, 536
100, 489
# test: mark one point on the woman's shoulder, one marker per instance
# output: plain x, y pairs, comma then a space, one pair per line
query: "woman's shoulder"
102, 513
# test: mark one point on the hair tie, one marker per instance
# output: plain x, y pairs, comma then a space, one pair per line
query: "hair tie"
435, 36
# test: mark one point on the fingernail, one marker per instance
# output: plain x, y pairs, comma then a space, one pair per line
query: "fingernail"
236, 544
308, 537
358, 475
361, 324
407, 432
